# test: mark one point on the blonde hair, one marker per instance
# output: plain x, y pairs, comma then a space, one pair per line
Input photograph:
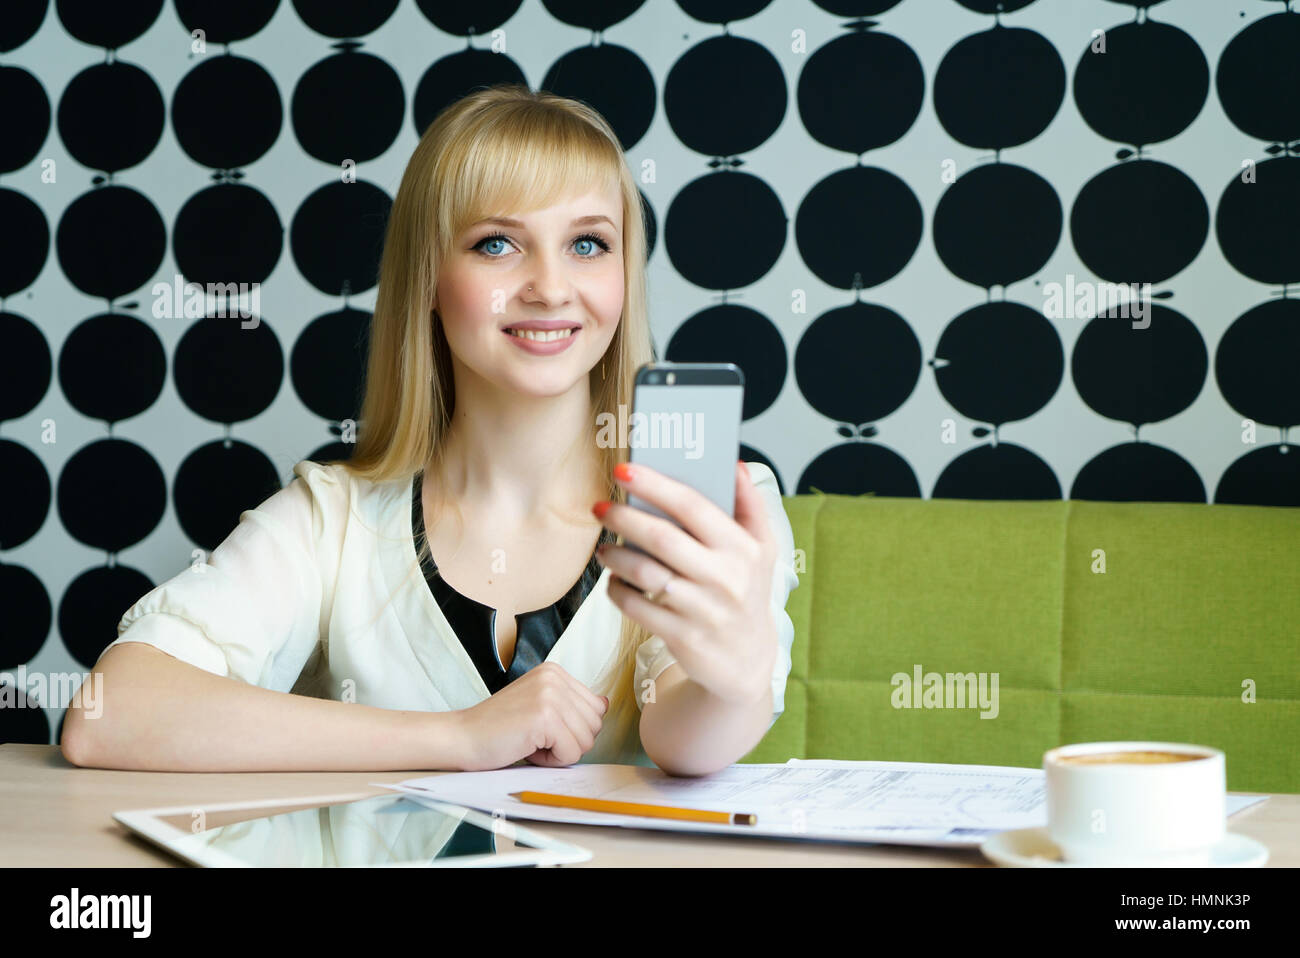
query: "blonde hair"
500, 148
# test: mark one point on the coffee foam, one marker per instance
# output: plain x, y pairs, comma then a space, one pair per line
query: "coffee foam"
1130, 757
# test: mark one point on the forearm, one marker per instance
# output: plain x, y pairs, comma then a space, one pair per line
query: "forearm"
161, 714
688, 731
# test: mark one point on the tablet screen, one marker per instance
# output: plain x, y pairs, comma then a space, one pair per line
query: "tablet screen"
372, 831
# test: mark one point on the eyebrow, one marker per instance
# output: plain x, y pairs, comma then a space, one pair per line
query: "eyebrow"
517, 224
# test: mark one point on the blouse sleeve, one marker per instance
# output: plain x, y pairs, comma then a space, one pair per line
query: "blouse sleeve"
253, 610
652, 657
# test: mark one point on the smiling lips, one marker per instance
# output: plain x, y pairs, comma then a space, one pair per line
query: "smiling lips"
542, 342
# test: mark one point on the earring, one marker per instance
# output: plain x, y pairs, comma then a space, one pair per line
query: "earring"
602, 370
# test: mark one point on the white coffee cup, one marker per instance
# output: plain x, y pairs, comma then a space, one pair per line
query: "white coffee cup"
1106, 806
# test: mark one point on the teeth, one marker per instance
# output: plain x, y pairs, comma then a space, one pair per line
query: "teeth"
541, 336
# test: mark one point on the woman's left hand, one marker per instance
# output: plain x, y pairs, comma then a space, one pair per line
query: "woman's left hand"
716, 615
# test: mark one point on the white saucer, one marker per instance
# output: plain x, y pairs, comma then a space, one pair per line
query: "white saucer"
1031, 848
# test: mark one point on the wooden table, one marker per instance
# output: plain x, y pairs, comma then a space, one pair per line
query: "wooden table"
55, 814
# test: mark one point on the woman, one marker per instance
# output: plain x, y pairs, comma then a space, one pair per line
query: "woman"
516, 210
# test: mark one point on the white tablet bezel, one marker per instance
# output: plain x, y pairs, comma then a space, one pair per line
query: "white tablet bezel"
148, 823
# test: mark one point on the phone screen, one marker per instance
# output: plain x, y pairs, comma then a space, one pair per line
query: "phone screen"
689, 432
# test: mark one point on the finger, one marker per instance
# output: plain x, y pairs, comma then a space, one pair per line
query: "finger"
660, 539
543, 756
698, 515
559, 738
598, 703
578, 716
589, 715
573, 734
642, 574
660, 620
751, 509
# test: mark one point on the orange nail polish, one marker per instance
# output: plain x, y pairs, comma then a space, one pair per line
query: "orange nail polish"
600, 509
623, 472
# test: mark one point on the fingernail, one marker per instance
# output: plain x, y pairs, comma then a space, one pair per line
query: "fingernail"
601, 508
623, 472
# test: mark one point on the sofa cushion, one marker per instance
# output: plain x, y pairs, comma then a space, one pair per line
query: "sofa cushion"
1195, 605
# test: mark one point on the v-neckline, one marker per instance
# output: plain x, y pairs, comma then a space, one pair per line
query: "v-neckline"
448, 632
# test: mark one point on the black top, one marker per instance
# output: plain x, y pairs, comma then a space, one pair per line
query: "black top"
538, 631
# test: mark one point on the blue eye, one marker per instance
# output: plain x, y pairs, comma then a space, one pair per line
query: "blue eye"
494, 238
597, 240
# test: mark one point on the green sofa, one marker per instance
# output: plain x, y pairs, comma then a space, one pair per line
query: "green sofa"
1191, 633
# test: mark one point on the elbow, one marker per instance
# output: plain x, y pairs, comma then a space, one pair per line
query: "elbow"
671, 764
674, 771
83, 737
678, 770
73, 743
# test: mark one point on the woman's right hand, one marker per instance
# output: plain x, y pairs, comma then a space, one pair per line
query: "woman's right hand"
545, 716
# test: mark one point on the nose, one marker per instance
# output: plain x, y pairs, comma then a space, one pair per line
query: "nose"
547, 283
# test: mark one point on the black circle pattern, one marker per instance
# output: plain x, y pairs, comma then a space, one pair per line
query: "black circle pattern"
1069, 165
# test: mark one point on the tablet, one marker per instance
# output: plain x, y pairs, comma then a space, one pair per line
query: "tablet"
345, 831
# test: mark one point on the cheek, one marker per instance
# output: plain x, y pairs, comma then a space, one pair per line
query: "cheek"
608, 297
466, 298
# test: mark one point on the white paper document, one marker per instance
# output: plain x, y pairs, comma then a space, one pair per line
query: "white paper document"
910, 803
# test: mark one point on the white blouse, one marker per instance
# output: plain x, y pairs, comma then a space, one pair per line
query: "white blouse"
319, 591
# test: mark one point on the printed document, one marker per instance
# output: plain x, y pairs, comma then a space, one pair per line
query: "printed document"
912, 803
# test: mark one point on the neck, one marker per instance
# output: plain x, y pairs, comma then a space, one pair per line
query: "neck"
523, 457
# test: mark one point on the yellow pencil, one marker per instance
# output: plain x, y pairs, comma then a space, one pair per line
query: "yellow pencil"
635, 808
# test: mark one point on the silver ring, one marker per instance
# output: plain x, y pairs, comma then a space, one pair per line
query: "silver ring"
656, 596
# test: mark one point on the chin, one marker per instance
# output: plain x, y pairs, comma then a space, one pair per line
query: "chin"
541, 386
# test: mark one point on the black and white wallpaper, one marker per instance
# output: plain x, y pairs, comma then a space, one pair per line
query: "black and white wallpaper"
960, 248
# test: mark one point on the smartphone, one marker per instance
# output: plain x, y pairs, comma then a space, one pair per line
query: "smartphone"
686, 424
